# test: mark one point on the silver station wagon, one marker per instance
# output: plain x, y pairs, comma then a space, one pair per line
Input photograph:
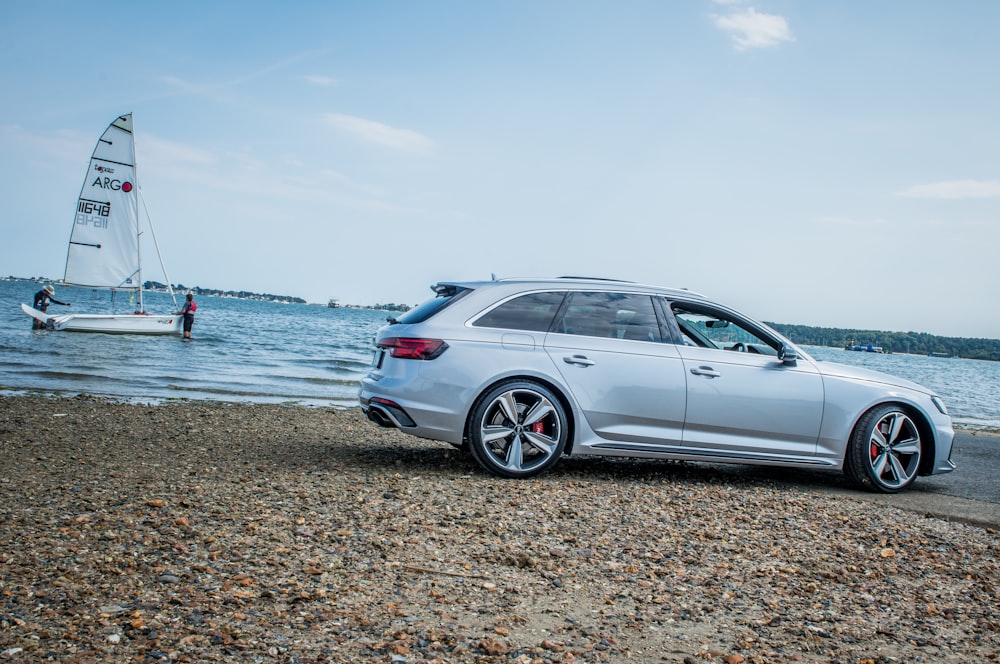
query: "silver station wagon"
522, 372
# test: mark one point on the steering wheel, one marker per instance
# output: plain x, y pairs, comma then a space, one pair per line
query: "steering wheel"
739, 347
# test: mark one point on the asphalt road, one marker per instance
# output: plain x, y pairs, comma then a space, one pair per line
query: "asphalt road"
977, 456
969, 494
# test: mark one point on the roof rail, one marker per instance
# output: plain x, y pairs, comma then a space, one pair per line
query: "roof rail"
621, 281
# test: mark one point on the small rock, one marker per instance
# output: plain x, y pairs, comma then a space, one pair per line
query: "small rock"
113, 609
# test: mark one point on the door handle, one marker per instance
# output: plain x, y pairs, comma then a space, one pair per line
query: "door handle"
706, 371
579, 360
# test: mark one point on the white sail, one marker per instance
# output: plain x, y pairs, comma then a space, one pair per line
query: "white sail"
104, 242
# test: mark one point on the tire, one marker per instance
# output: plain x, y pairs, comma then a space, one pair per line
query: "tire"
884, 452
518, 429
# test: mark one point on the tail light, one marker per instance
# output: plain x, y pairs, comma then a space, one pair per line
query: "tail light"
406, 348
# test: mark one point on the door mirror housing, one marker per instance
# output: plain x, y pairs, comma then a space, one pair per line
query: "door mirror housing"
787, 354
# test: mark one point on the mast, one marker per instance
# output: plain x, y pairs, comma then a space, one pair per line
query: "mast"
138, 232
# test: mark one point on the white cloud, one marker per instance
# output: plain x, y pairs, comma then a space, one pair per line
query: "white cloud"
376, 132
321, 81
215, 89
954, 189
752, 29
263, 183
61, 144
171, 153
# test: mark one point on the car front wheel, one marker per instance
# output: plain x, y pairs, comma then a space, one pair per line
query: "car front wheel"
884, 451
518, 429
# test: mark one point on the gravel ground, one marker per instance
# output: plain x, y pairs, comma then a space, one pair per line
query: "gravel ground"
201, 532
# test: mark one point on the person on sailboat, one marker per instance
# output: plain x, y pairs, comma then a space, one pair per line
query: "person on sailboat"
188, 312
43, 299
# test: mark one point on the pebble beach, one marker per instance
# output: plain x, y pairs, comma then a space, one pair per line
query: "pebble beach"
215, 532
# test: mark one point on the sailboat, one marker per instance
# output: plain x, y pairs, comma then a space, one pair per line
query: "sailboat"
104, 243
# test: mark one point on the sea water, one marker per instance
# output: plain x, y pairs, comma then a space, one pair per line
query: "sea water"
970, 388
242, 350
262, 351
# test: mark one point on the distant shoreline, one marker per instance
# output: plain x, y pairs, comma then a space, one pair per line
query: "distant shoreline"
157, 287
910, 343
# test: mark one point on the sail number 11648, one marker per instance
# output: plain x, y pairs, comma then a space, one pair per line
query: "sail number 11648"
93, 213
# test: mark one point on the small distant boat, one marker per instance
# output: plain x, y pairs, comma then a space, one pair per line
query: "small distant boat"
866, 348
104, 243
932, 354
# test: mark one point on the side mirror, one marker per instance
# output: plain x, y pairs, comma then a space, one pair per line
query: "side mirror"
787, 354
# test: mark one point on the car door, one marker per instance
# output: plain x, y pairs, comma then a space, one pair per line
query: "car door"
609, 350
742, 399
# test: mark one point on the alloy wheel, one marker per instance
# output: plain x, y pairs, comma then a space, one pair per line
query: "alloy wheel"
519, 430
894, 450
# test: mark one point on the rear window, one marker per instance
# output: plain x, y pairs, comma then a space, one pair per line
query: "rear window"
446, 295
532, 312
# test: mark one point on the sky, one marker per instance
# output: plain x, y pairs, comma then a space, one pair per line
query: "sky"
817, 163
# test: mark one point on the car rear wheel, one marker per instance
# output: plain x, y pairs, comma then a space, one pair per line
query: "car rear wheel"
518, 429
884, 451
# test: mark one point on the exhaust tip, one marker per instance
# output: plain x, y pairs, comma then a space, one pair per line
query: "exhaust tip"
389, 414
378, 417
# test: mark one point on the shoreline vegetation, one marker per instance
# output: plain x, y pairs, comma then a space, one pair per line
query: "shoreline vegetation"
210, 532
911, 343
239, 295
157, 287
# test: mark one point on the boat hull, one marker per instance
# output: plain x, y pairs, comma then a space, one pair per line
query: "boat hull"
109, 323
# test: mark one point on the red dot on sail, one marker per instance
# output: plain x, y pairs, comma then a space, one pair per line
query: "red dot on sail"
126, 187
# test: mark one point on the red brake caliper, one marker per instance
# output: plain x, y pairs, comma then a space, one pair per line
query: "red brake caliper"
874, 447
538, 427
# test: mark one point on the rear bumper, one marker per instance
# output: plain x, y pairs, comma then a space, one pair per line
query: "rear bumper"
430, 415
387, 414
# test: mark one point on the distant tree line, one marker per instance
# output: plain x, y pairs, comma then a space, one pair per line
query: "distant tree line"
243, 295
916, 343
392, 307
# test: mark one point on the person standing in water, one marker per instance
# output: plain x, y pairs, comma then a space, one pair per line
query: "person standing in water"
43, 299
188, 312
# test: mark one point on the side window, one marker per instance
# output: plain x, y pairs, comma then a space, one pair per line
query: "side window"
610, 315
533, 312
706, 327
